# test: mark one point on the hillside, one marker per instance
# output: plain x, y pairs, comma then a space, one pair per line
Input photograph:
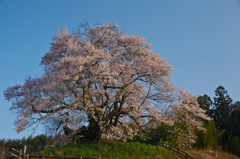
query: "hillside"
120, 150
130, 150
210, 154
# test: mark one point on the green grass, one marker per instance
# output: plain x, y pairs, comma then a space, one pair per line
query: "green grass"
120, 150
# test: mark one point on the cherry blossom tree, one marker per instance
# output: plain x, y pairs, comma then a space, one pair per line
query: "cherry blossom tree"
100, 83
186, 115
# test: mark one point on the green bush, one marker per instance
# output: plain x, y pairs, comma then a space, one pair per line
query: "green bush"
211, 138
236, 145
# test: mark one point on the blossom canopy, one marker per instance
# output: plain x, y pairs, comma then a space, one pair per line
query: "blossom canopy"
99, 82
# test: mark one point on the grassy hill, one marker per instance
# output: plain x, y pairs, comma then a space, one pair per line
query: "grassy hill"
120, 150
130, 150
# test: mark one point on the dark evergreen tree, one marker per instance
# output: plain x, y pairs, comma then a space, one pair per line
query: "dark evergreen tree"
222, 108
226, 115
2, 142
235, 118
222, 113
205, 102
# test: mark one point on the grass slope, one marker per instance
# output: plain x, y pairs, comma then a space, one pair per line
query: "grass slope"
210, 154
120, 150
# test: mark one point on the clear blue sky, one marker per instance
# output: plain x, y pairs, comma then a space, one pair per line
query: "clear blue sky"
199, 38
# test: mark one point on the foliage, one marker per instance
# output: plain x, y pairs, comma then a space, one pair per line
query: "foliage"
158, 135
236, 145
221, 109
38, 143
104, 78
212, 138
235, 119
205, 102
182, 136
2, 142
226, 116
154, 135
34, 144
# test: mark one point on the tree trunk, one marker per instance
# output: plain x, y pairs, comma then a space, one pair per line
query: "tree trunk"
92, 132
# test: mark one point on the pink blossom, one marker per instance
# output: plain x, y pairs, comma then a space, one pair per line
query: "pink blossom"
104, 78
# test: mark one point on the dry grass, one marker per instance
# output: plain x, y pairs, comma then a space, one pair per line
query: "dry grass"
210, 154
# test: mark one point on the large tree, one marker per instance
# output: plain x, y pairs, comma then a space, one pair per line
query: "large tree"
101, 83
222, 114
222, 108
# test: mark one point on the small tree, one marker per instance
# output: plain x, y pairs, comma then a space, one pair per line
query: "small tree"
212, 138
96, 83
186, 119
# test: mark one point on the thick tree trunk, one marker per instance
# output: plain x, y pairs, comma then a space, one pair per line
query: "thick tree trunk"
93, 133
90, 133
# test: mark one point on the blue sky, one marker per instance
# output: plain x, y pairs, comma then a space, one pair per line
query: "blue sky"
199, 38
